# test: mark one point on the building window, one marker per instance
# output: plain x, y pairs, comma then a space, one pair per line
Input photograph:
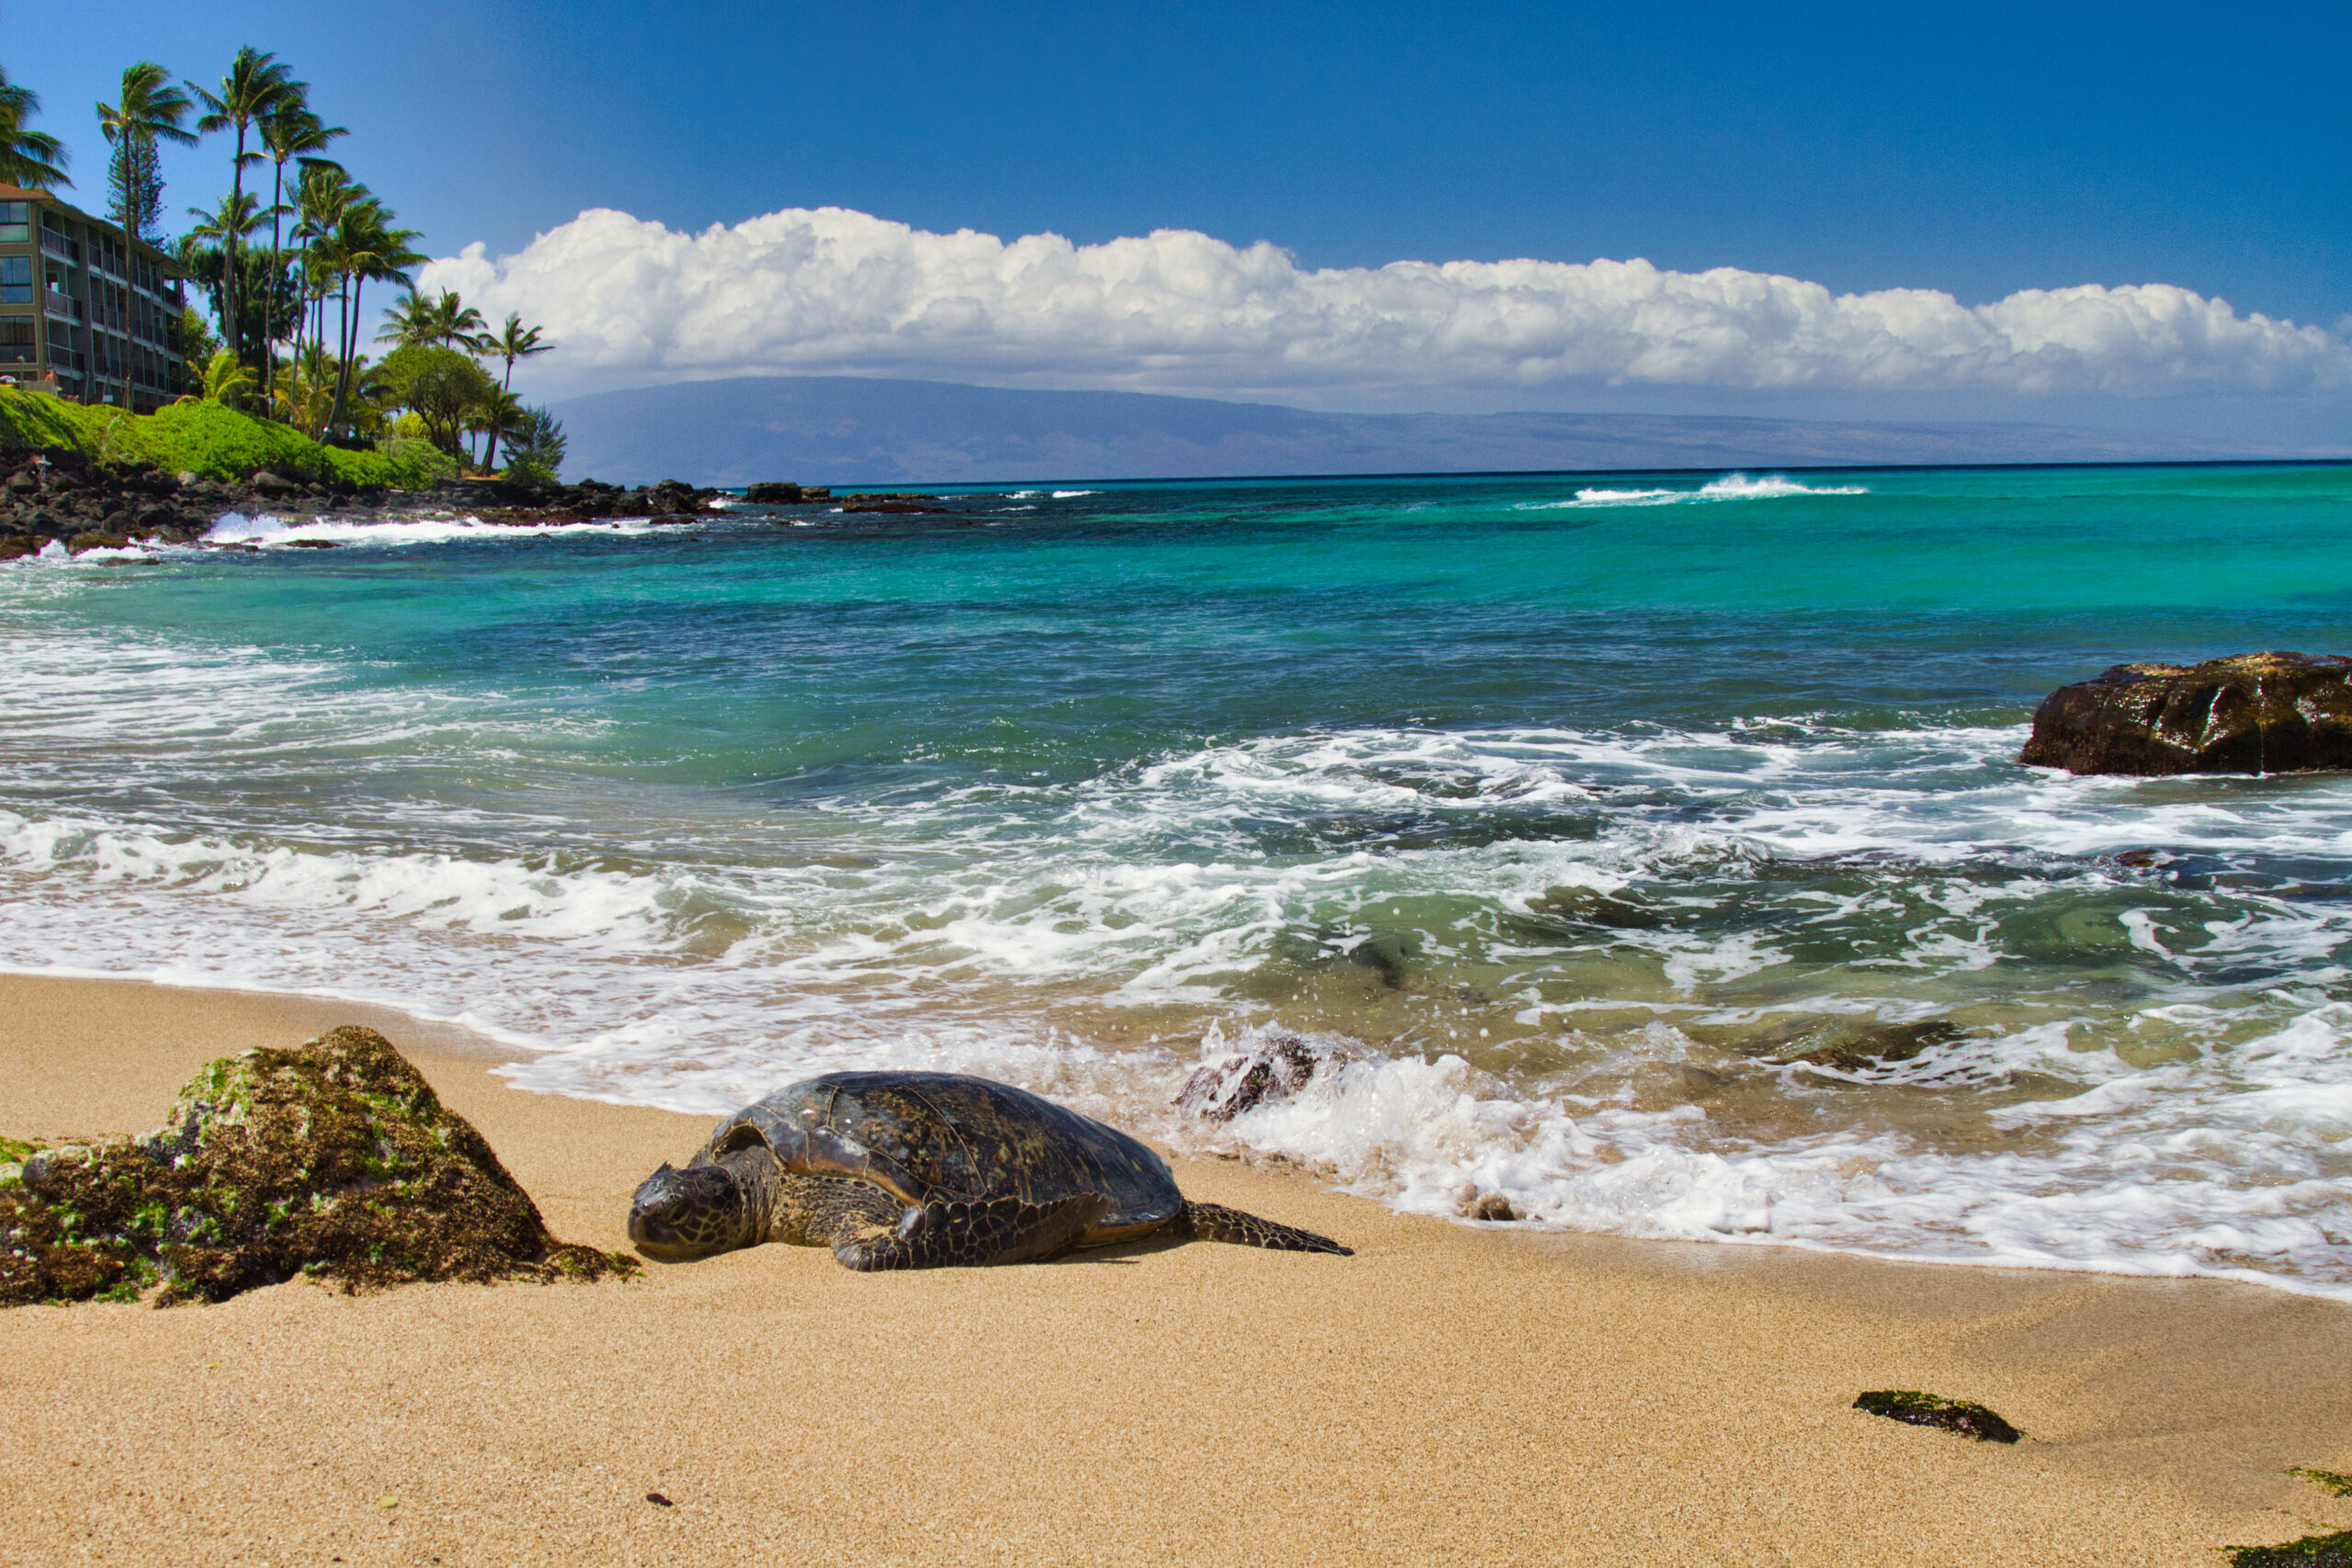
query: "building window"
15, 222
16, 279
16, 340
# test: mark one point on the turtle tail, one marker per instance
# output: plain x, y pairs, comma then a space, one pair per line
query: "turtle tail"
1214, 1222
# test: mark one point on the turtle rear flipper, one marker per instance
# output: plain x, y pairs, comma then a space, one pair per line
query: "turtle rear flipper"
1214, 1222
940, 1236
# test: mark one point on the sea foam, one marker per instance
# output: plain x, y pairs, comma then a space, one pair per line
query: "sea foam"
1731, 487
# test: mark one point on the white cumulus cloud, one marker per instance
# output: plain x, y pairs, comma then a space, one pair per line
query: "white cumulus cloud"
831, 290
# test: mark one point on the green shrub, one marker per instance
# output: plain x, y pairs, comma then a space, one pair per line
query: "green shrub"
36, 418
209, 439
218, 442
400, 463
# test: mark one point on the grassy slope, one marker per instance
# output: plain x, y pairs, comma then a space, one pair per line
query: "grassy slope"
206, 439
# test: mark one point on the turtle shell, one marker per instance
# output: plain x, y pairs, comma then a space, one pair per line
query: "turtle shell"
946, 1138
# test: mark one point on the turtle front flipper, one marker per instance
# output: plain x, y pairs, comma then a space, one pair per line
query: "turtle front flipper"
1214, 1222
943, 1236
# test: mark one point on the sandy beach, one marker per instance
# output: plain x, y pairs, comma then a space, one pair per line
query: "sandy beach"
1450, 1394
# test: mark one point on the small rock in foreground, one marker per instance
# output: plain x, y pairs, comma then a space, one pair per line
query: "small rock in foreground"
333, 1159
1932, 1410
2251, 713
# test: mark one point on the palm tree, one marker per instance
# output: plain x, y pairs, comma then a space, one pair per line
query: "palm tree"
255, 82
304, 391
213, 241
225, 382
367, 249
406, 325
499, 413
514, 342
321, 196
33, 159
290, 131
443, 319
151, 111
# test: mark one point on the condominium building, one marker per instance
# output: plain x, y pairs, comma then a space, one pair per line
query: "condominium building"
80, 309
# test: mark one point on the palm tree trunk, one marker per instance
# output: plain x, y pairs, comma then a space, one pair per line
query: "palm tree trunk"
228, 332
269, 298
343, 382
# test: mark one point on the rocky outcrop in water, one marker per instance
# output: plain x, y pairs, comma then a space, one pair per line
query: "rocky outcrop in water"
783, 492
2251, 713
59, 493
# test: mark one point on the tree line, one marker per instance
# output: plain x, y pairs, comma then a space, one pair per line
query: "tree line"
286, 276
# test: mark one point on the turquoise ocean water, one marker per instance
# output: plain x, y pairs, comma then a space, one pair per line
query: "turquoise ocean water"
1646, 850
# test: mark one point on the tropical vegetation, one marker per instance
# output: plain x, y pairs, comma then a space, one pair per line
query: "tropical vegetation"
289, 268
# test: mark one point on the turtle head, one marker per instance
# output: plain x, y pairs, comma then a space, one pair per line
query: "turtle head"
692, 1212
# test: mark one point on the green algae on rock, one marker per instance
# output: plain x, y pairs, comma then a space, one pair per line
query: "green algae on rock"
1918, 1409
333, 1159
2331, 1550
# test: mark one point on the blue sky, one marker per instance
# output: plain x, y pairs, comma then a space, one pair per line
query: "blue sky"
1978, 150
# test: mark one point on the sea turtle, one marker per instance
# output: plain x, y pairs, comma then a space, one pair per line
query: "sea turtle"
922, 1170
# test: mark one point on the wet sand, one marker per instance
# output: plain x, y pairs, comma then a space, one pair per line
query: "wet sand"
1450, 1394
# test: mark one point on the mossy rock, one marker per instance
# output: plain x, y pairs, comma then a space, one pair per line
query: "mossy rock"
1918, 1409
333, 1159
2331, 1550
2312, 1552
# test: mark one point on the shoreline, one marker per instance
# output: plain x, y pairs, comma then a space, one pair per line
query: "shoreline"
477, 1041
1450, 1393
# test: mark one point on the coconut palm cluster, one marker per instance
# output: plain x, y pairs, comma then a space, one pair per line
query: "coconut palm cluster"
284, 259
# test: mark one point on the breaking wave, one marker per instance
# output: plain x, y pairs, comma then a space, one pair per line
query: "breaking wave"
1731, 487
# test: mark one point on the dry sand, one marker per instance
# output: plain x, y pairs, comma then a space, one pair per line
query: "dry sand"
1449, 1394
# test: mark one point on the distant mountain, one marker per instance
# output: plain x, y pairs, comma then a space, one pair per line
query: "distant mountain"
852, 430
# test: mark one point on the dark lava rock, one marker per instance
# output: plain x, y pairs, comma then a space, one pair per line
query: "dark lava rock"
1932, 1410
96, 540
892, 501
2251, 713
333, 1159
1275, 1066
274, 486
773, 493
